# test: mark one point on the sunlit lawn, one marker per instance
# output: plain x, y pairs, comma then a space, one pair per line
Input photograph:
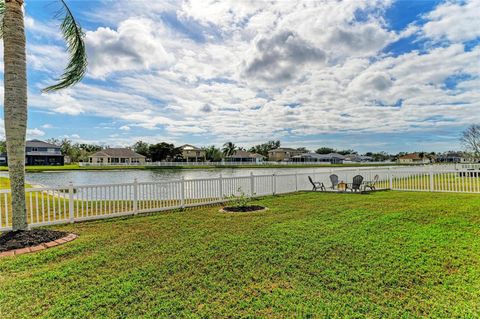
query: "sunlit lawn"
440, 182
5, 183
382, 255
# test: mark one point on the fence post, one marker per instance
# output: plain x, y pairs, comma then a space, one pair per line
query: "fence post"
70, 202
135, 196
274, 184
431, 178
252, 184
390, 179
182, 193
296, 181
220, 188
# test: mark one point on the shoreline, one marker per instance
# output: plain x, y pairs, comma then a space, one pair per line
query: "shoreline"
33, 169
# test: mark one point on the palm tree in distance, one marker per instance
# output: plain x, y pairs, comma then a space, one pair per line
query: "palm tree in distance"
229, 149
12, 30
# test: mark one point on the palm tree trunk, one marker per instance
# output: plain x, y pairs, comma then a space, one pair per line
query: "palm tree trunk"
15, 115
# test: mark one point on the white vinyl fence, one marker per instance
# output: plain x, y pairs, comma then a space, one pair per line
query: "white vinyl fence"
48, 206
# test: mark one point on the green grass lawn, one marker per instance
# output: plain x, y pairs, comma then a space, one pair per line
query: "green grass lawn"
382, 255
441, 182
5, 183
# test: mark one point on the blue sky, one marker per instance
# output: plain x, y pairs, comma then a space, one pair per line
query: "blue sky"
366, 74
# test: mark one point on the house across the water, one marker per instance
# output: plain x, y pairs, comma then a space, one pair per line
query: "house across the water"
453, 157
244, 157
358, 158
413, 158
283, 154
39, 153
192, 153
332, 158
114, 156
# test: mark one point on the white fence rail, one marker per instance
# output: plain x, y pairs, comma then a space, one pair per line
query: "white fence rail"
47, 206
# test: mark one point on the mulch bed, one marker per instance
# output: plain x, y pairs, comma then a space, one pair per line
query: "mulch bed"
244, 209
28, 238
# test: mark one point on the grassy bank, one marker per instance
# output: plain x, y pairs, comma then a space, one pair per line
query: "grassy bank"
72, 167
387, 254
5, 183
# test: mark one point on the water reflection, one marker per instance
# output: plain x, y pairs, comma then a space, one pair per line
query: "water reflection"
63, 178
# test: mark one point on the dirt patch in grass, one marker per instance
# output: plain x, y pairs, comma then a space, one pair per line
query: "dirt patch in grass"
243, 209
28, 238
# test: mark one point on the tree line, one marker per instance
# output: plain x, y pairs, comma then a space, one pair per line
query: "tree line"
158, 152
79, 152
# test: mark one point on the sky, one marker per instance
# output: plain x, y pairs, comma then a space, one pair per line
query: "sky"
362, 74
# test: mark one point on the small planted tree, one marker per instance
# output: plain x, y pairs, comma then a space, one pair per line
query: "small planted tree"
241, 202
12, 30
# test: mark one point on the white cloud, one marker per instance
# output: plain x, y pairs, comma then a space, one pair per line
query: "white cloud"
73, 137
35, 133
50, 59
60, 102
359, 39
279, 57
454, 21
135, 45
39, 29
31, 133
263, 70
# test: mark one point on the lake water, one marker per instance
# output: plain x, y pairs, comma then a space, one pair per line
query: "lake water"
83, 177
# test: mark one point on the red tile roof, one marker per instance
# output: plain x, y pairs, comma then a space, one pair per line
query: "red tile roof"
413, 156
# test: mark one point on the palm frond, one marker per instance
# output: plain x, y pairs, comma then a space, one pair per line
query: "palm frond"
77, 63
2, 12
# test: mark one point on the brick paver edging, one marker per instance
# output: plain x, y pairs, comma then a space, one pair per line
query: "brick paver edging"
43, 246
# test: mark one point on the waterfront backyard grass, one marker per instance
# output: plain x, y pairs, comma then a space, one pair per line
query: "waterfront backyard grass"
5, 183
386, 254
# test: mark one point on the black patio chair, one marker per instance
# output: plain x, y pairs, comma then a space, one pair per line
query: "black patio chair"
357, 182
334, 180
371, 184
316, 185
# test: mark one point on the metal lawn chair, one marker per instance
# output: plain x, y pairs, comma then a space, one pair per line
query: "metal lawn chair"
334, 180
371, 184
316, 185
355, 185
